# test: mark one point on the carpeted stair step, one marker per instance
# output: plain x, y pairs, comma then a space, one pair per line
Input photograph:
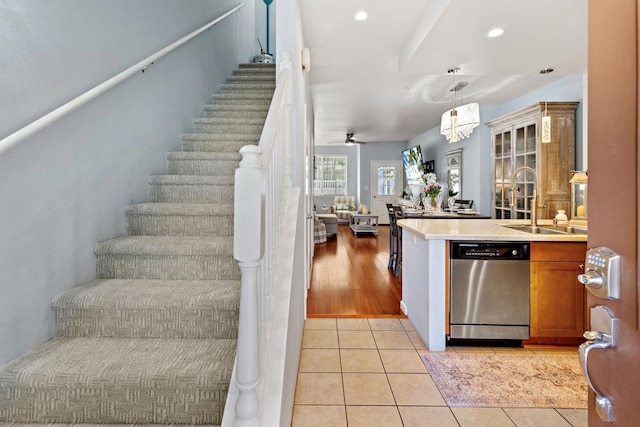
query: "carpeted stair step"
191, 189
137, 308
229, 125
203, 136
255, 69
229, 121
180, 219
121, 381
257, 65
224, 111
253, 72
216, 146
238, 108
247, 129
202, 163
253, 78
258, 88
167, 257
242, 98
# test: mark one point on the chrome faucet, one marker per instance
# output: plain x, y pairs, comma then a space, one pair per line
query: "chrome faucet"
534, 200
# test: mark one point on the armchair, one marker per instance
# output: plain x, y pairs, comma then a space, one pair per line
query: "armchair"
344, 207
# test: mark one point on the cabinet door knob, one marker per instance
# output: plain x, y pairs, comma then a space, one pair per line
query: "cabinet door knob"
581, 266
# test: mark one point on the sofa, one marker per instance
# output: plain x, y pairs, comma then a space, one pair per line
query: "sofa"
344, 207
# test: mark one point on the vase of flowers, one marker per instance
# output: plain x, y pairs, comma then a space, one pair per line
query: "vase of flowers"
432, 190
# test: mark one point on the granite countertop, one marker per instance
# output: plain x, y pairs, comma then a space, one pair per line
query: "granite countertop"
480, 229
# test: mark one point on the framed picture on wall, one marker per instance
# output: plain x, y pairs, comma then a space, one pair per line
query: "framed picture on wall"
430, 166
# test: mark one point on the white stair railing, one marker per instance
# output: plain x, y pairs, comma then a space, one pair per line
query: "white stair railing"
262, 189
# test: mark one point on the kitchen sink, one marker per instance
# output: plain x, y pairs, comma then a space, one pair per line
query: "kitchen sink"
547, 229
573, 230
533, 229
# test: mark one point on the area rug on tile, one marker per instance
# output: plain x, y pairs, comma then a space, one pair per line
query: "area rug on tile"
501, 380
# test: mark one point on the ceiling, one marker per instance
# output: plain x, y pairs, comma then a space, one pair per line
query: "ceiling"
385, 78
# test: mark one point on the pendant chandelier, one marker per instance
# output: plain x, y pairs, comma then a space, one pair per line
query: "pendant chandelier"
458, 122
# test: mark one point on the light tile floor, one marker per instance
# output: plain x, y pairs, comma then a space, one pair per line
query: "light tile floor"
368, 372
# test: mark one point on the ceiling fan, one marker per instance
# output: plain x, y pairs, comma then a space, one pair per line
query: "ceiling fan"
352, 140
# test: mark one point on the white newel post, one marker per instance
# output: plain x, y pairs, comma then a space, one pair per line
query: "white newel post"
248, 250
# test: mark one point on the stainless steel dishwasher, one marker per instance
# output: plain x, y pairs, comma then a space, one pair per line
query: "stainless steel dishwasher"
489, 294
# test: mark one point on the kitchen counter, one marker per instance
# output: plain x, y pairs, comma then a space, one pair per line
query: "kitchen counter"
480, 229
425, 267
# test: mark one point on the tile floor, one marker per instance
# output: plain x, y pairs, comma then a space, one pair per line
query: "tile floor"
368, 372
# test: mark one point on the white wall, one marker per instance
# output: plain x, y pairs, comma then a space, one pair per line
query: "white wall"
476, 150
65, 189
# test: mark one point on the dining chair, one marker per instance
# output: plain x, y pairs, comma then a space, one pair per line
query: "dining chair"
397, 212
392, 237
464, 204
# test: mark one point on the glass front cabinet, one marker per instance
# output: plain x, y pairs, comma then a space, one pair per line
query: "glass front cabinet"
544, 170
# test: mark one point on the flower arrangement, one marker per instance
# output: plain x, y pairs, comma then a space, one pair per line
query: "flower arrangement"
433, 188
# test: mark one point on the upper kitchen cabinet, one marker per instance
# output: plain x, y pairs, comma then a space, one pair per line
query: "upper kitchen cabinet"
516, 143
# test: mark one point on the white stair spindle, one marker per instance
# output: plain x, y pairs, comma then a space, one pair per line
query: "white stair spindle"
248, 250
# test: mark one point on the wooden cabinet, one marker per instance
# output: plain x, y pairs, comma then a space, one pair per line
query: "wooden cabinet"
558, 301
516, 143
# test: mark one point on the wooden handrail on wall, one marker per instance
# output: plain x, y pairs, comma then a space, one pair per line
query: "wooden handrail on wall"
19, 136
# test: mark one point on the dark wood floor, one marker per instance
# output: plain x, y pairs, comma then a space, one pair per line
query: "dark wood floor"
350, 277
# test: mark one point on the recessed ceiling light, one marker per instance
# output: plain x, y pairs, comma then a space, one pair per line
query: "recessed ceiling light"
361, 16
496, 32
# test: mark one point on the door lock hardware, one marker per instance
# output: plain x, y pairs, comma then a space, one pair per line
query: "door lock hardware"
604, 334
602, 273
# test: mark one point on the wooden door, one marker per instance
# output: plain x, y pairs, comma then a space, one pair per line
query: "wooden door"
386, 187
613, 194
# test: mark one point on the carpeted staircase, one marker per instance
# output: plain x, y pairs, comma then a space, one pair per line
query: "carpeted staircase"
152, 340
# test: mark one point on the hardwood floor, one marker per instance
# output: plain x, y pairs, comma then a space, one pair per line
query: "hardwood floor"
350, 277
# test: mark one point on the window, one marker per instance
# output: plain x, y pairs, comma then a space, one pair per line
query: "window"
330, 176
387, 181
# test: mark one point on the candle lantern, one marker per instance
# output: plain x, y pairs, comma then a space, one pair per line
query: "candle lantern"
579, 197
